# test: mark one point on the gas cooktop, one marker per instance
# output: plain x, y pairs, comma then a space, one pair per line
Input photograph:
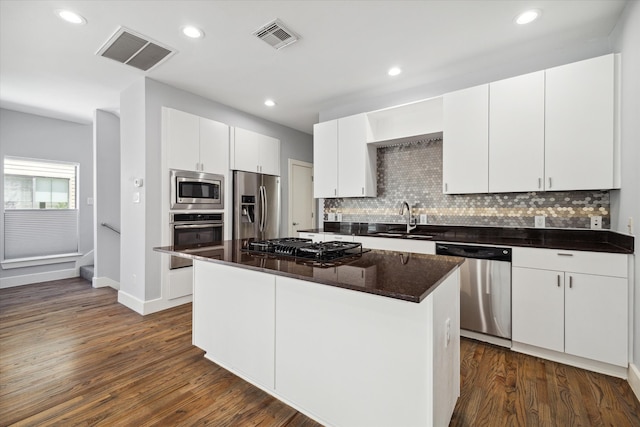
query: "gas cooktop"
306, 249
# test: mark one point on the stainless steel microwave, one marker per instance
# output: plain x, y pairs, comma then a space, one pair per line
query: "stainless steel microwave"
196, 190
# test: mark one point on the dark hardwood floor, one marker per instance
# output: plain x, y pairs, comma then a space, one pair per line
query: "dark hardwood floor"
71, 355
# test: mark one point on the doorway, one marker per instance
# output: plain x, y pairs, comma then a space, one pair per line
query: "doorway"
301, 202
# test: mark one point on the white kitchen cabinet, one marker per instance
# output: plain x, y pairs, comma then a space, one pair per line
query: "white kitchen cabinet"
315, 237
417, 246
580, 142
465, 144
516, 134
538, 308
356, 159
343, 142
331, 344
195, 143
234, 315
325, 159
253, 152
575, 310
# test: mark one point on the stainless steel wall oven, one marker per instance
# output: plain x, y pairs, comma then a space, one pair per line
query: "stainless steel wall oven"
196, 190
195, 231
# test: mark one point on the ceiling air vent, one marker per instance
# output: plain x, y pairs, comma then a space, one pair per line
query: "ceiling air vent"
136, 50
276, 34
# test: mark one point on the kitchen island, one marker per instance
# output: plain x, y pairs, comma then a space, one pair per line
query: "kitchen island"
370, 341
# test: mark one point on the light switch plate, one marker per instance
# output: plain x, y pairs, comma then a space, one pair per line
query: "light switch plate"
539, 221
331, 217
423, 218
339, 217
596, 222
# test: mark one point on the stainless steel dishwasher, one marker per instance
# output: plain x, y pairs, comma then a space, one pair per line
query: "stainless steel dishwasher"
485, 291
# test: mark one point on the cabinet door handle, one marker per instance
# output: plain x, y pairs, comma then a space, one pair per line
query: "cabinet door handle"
549, 182
446, 187
539, 183
570, 281
558, 280
363, 191
564, 254
335, 191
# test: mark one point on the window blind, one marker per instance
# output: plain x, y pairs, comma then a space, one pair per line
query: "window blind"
42, 232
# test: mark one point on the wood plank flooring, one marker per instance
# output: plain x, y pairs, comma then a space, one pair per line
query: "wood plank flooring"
71, 355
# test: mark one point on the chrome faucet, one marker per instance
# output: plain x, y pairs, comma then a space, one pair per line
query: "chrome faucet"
409, 217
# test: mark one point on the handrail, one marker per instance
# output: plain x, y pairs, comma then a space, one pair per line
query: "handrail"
110, 227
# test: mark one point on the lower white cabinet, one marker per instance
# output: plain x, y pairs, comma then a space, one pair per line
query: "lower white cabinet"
235, 324
571, 312
315, 237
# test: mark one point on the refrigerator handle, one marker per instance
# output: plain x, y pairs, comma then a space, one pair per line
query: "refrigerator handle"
261, 225
265, 207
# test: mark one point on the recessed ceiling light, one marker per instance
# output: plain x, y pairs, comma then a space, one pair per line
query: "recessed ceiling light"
192, 32
528, 16
270, 103
70, 16
394, 71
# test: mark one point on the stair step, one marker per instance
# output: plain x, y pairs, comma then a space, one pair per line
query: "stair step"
86, 271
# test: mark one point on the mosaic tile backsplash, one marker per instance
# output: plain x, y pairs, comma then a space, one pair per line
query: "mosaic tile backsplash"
413, 172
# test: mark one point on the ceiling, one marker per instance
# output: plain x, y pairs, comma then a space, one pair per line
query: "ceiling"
49, 67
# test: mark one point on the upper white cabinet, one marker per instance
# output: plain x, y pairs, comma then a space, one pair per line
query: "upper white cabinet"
325, 159
356, 159
195, 143
516, 134
552, 130
344, 164
465, 147
406, 121
253, 152
579, 125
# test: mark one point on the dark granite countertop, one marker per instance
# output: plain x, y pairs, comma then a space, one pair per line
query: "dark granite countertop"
550, 238
404, 276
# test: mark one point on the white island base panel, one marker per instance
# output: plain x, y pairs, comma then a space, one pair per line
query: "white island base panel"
342, 357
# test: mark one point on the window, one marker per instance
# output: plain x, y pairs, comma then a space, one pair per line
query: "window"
40, 208
36, 184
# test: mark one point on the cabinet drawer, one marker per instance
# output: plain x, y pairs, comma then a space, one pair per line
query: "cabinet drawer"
338, 237
316, 237
600, 263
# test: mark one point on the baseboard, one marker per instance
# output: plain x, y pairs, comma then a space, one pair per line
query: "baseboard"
634, 379
152, 306
103, 282
568, 359
28, 279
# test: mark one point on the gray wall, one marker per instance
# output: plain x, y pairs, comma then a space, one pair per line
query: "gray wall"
106, 148
626, 201
141, 153
27, 135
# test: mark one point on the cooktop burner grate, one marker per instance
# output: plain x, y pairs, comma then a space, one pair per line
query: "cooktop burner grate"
307, 249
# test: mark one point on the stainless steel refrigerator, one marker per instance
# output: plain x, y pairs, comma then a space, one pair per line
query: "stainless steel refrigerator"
256, 206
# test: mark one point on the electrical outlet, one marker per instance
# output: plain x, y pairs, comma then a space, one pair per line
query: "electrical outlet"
423, 218
596, 222
331, 217
539, 221
339, 217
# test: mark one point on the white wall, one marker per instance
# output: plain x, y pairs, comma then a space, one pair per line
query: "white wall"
626, 202
28, 135
106, 149
141, 122
132, 215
